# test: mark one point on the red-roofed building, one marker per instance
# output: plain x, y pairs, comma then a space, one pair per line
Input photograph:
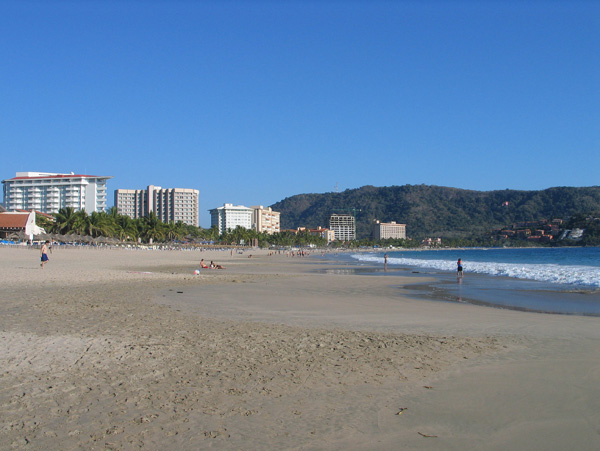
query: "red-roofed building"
49, 192
19, 222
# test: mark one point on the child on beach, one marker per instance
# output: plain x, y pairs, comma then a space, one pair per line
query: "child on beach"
44, 254
459, 268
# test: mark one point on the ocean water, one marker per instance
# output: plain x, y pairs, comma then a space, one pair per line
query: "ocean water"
575, 266
550, 280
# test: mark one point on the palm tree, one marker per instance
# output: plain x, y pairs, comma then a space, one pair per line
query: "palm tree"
82, 224
64, 220
103, 224
173, 231
126, 228
153, 227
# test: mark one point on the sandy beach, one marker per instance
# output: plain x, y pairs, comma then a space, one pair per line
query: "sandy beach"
128, 349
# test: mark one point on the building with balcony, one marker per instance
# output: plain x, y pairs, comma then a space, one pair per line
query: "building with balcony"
386, 230
229, 217
343, 226
265, 220
49, 192
169, 204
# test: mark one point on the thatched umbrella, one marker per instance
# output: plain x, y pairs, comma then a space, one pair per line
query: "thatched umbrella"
61, 238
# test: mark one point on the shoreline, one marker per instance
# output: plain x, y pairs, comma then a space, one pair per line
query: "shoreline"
126, 350
495, 290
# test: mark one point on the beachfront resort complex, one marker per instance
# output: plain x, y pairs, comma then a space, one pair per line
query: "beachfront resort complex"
49, 192
388, 230
169, 204
258, 218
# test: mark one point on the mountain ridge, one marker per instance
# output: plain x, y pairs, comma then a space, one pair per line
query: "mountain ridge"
431, 210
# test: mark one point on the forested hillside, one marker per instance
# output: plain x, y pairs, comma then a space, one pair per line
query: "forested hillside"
438, 211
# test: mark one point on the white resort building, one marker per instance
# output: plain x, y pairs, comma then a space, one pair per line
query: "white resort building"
169, 204
48, 192
229, 217
384, 230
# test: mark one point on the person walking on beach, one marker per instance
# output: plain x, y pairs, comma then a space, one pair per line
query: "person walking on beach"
44, 254
459, 269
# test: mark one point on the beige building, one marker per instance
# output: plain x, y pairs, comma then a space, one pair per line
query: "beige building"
265, 220
169, 204
329, 235
385, 230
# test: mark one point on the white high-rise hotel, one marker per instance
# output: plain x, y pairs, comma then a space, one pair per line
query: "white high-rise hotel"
48, 192
230, 216
258, 218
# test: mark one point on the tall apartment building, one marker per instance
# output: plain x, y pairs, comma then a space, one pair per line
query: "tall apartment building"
169, 204
343, 226
384, 230
265, 220
49, 192
229, 217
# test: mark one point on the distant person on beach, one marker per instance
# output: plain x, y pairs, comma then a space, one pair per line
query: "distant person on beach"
385, 257
202, 264
215, 266
44, 254
459, 268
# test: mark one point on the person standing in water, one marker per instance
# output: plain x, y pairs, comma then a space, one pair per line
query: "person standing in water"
459, 268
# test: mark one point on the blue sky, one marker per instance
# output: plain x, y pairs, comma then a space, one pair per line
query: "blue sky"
251, 102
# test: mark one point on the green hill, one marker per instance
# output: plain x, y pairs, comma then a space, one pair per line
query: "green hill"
430, 211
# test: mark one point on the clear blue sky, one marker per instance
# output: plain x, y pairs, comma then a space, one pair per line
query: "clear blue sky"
251, 102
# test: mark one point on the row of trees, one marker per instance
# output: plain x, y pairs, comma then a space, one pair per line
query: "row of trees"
112, 224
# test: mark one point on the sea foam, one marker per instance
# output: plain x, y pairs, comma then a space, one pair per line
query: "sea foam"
560, 274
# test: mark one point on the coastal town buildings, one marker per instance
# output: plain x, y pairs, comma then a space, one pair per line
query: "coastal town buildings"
49, 192
322, 232
229, 217
343, 226
265, 220
169, 204
386, 230
327, 234
542, 231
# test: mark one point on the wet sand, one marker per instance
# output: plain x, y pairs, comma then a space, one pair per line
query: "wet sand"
115, 349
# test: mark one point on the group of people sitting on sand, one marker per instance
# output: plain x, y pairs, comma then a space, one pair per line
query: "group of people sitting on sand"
211, 266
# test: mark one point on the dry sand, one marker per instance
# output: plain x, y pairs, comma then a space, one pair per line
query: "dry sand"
115, 349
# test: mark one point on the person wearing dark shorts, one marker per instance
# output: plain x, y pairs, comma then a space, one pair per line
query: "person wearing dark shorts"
459, 268
44, 257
